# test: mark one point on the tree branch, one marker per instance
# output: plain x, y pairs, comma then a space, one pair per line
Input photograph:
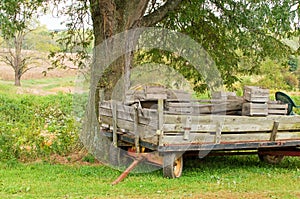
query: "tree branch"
158, 15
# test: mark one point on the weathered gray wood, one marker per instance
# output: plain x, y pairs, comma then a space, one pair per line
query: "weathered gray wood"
160, 110
256, 94
208, 138
187, 128
198, 108
277, 108
218, 133
274, 131
146, 116
255, 109
207, 123
147, 119
179, 95
114, 123
222, 95
146, 132
136, 131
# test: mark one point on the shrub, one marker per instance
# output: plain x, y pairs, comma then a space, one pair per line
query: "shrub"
292, 81
36, 126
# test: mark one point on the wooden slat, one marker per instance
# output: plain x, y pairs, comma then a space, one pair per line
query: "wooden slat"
205, 138
277, 108
196, 108
255, 109
151, 121
160, 110
146, 132
256, 94
146, 116
207, 123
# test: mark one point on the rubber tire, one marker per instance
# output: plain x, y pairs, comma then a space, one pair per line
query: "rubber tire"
172, 165
271, 159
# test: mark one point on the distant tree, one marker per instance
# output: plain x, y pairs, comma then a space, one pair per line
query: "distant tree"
293, 63
16, 21
40, 39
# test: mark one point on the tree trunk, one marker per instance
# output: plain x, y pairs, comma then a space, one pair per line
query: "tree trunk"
18, 67
17, 79
111, 17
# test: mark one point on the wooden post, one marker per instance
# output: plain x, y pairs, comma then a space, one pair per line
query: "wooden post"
218, 133
187, 128
160, 110
136, 132
274, 131
114, 114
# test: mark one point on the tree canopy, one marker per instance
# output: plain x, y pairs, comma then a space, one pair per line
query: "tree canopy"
237, 34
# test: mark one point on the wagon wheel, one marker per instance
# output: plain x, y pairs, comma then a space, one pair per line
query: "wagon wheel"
172, 166
271, 159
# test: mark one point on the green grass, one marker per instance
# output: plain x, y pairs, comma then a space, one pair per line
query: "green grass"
214, 177
44, 84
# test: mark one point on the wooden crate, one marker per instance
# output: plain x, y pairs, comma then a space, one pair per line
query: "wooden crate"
256, 94
255, 109
223, 95
179, 95
204, 106
277, 108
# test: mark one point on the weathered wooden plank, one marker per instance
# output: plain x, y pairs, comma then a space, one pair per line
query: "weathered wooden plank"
205, 138
179, 95
143, 119
160, 110
277, 108
255, 109
146, 132
114, 122
136, 131
256, 94
130, 109
187, 128
230, 123
195, 108
274, 131
222, 95
277, 112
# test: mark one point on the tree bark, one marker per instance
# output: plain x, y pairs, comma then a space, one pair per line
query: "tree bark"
111, 17
17, 79
17, 62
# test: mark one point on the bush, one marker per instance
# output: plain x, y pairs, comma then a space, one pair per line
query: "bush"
36, 126
292, 81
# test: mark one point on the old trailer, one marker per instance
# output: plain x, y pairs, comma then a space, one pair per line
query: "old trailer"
163, 130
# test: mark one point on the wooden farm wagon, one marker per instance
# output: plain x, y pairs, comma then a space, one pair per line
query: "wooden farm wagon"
162, 125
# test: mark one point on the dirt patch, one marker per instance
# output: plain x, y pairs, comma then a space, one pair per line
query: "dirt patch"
74, 158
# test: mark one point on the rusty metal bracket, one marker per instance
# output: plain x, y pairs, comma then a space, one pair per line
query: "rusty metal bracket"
127, 171
152, 158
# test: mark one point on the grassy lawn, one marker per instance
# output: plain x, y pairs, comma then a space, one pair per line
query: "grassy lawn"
233, 177
43, 86
214, 177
